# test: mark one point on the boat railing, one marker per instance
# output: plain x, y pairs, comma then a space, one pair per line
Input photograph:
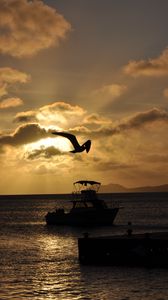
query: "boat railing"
84, 195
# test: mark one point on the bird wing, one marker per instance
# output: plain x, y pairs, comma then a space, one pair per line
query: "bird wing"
88, 145
69, 136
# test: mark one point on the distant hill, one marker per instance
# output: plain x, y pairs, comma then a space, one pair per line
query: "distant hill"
113, 188
117, 188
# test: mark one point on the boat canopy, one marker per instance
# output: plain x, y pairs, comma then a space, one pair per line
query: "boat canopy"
86, 185
86, 182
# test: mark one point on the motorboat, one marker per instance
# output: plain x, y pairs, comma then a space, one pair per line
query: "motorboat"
87, 209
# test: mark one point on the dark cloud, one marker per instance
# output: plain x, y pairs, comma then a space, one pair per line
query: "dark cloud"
43, 152
143, 118
135, 122
24, 134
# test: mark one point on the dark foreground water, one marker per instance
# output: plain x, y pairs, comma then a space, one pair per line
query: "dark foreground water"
37, 262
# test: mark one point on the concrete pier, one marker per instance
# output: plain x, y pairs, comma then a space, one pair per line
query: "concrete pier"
148, 249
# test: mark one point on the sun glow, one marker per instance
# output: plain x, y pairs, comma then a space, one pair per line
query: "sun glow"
58, 142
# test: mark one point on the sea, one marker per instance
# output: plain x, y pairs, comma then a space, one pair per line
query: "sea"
40, 262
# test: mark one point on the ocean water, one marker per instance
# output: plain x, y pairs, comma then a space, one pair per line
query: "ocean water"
41, 263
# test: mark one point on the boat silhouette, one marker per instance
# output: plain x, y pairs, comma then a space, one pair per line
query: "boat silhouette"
87, 209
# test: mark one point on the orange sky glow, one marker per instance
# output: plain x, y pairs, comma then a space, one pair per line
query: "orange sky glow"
97, 69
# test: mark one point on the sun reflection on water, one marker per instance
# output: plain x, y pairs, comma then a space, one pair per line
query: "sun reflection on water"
58, 272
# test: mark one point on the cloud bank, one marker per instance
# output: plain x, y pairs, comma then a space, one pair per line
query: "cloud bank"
135, 122
90, 126
57, 113
24, 135
108, 129
26, 27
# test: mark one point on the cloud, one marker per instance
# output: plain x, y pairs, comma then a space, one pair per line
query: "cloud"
43, 152
50, 116
111, 91
96, 119
58, 113
25, 117
152, 67
8, 78
135, 122
10, 102
80, 130
26, 27
62, 107
9, 75
143, 118
110, 128
24, 134
29, 133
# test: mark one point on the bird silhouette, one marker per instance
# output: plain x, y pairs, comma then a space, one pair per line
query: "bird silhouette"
77, 147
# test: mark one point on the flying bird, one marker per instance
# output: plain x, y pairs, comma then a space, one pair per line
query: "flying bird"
77, 147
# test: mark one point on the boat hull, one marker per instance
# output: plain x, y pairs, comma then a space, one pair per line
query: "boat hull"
84, 218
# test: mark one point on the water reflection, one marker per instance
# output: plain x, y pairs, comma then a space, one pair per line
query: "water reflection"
56, 266
37, 264
41, 263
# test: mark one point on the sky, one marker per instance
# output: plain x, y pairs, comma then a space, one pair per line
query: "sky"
95, 68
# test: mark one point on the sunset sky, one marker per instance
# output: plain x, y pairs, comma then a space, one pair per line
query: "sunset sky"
95, 68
